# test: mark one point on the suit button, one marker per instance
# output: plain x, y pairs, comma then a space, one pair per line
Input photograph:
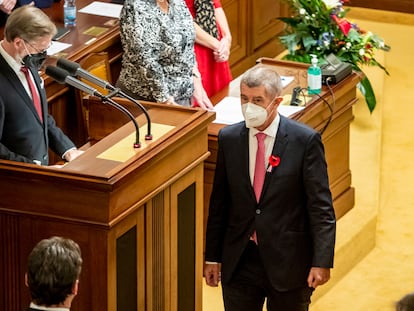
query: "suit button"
258, 211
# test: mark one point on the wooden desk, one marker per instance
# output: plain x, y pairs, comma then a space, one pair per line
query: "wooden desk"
316, 115
136, 214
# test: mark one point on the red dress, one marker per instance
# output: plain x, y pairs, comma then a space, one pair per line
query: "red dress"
215, 76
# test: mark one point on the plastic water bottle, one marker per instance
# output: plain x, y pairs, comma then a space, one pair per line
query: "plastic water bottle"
314, 77
69, 13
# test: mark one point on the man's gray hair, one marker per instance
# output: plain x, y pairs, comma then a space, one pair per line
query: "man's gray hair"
261, 75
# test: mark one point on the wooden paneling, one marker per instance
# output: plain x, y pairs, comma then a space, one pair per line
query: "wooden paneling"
405, 6
265, 25
236, 15
255, 30
97, 200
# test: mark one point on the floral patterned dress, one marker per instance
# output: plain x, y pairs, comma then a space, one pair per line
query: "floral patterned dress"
158, 49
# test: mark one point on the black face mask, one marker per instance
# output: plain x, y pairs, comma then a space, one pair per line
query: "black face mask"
35, 60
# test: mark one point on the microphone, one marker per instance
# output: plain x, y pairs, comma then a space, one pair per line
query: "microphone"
62, 76
75, 69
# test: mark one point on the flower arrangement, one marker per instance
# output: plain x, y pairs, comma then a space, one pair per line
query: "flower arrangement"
320, 27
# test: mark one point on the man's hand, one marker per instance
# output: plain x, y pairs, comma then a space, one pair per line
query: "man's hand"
212, 274
318, 276
73, 154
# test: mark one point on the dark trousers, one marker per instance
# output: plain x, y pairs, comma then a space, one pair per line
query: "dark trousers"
249, 287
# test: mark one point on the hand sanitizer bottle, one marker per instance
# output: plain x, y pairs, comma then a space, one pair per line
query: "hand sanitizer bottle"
314, 77
69, 13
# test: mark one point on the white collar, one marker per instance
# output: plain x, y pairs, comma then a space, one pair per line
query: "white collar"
9, 59
35, 306
271, 130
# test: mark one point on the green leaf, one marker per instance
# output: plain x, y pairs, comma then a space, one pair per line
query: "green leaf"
366, 90
290, 41
308, 42
353, 35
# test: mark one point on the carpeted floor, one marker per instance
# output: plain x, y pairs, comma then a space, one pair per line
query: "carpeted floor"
382, 146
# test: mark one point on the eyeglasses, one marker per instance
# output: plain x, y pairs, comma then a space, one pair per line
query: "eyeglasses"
36, 49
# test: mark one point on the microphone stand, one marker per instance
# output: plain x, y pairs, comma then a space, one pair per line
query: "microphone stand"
108, 100
75, 69
118, 91
62, 77
148, 136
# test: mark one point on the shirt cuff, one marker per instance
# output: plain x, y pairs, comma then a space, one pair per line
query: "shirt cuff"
63, 155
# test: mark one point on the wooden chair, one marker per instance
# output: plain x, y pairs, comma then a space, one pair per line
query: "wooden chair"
98, 65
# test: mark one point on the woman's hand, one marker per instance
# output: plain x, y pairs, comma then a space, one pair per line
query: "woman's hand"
7, 6
200, 95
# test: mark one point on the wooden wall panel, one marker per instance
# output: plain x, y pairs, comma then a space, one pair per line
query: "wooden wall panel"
405, 6
265, 24
237, 18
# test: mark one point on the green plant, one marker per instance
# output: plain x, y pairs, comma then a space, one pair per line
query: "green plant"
319, 27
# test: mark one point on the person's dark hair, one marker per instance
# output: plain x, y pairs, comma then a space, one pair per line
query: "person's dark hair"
54, 265
406, 303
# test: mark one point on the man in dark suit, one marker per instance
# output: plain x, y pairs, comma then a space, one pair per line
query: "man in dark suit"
27, 133
53, 271
272, 238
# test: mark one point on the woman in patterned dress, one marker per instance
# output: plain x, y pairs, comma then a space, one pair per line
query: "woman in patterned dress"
158, 63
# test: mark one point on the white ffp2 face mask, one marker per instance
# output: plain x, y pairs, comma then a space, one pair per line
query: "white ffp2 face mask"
254, 115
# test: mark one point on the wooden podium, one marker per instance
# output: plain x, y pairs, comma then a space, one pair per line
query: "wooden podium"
136, 214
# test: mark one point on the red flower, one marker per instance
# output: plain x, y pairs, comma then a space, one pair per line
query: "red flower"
343, 24
273, 162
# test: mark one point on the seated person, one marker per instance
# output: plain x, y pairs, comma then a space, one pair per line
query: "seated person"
53, 270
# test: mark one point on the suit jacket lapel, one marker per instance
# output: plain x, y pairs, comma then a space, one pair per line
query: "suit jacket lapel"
243, 154
15, 83
41, 92
278, 150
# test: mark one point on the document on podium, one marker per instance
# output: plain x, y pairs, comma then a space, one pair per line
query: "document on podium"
228, 110
57, 47
102, 9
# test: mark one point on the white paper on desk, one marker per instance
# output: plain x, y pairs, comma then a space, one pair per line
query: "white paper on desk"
228, 110
57, 47
286, 80
102, 9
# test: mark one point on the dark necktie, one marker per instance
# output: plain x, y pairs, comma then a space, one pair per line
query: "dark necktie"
33, 90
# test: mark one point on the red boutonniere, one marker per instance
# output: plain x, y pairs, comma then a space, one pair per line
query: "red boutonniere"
274, 161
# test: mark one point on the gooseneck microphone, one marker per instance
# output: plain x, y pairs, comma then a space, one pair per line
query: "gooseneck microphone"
62, 76
75, 69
